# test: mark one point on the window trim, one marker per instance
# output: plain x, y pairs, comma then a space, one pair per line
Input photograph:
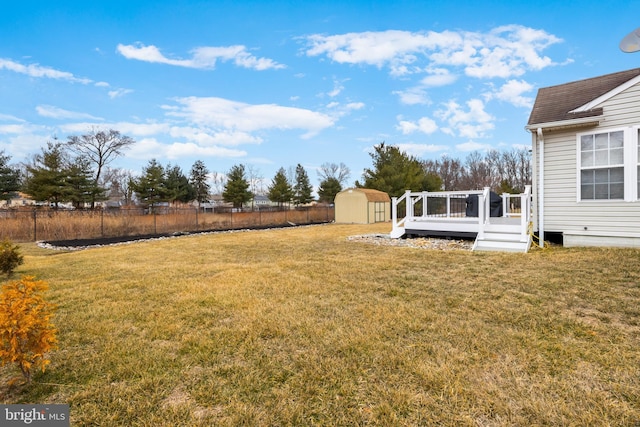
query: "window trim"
630, 164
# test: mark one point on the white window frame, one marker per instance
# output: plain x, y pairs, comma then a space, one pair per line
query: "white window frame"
630, 164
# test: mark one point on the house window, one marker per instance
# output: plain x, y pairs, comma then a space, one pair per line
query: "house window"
602, 166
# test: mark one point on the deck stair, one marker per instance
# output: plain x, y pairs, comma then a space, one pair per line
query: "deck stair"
506, 238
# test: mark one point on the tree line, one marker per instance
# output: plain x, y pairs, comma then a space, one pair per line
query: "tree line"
77, 171
394, 171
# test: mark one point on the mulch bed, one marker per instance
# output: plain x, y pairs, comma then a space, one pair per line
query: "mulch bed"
76, 244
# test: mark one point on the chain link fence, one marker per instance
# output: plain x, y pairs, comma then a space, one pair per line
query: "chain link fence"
25, 225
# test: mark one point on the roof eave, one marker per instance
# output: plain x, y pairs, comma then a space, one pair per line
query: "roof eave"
566, 124
599, 100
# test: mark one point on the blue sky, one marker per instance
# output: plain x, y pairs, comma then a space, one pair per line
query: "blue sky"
272, 84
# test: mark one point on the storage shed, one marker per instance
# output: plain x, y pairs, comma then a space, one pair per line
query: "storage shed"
362, 206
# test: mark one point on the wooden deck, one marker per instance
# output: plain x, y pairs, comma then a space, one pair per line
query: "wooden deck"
501, 223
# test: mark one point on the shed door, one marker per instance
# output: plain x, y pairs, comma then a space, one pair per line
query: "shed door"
380, 212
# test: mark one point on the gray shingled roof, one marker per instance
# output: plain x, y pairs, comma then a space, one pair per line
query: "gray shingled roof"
554, 103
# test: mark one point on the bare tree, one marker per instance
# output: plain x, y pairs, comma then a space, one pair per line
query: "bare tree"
118, 182
332, 170
99, 148
449, 170
219, 181
478, 172
256, 180
494, 161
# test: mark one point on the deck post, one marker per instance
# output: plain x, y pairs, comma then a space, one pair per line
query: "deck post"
394, 212
505, 205
525, 212
486, 193
524, 216
408, 204
481, 212
425, 203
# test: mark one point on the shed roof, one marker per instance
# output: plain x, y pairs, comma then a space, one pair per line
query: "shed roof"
556, 103
372, 195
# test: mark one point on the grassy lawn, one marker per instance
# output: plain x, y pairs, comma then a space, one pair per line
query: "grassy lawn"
302, 327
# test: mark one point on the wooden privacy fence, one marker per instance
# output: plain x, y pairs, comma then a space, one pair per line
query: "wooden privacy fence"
24, 225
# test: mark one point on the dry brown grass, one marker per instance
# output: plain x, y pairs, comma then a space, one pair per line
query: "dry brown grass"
302, 327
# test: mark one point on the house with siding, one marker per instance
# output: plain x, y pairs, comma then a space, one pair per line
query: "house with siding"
586, 161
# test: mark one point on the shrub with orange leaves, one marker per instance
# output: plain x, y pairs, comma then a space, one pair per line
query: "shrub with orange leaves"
26, 332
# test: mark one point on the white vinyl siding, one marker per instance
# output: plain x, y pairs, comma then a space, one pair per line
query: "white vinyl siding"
605, 222
638, 167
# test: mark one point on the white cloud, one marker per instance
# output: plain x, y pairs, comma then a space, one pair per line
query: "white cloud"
424, 125
201, 57
503, 52
14, 129
119, 92
418, 94
472, 123
473, 146
219, 113
126, 128
337, 88
438, 77
511, 92
58, 113
206, 137
355, 106
38, 71
175, 150
418, 150
10, 118
413, 96
22, 141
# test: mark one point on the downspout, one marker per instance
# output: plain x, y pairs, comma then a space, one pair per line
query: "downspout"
541, 187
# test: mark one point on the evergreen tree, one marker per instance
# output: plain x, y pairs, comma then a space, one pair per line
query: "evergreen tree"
178, 186
236, 190
47, 176
151, 186
280, 190
394, 172
82, 188
302, 189
9, 178
328, 189
198, 179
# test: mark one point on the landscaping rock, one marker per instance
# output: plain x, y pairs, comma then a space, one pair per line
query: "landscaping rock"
416, 242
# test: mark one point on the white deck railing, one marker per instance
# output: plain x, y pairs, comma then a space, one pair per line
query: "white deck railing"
451, 207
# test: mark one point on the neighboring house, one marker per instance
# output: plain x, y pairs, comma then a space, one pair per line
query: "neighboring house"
260, 201
362, 206
20, 200
586, 161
